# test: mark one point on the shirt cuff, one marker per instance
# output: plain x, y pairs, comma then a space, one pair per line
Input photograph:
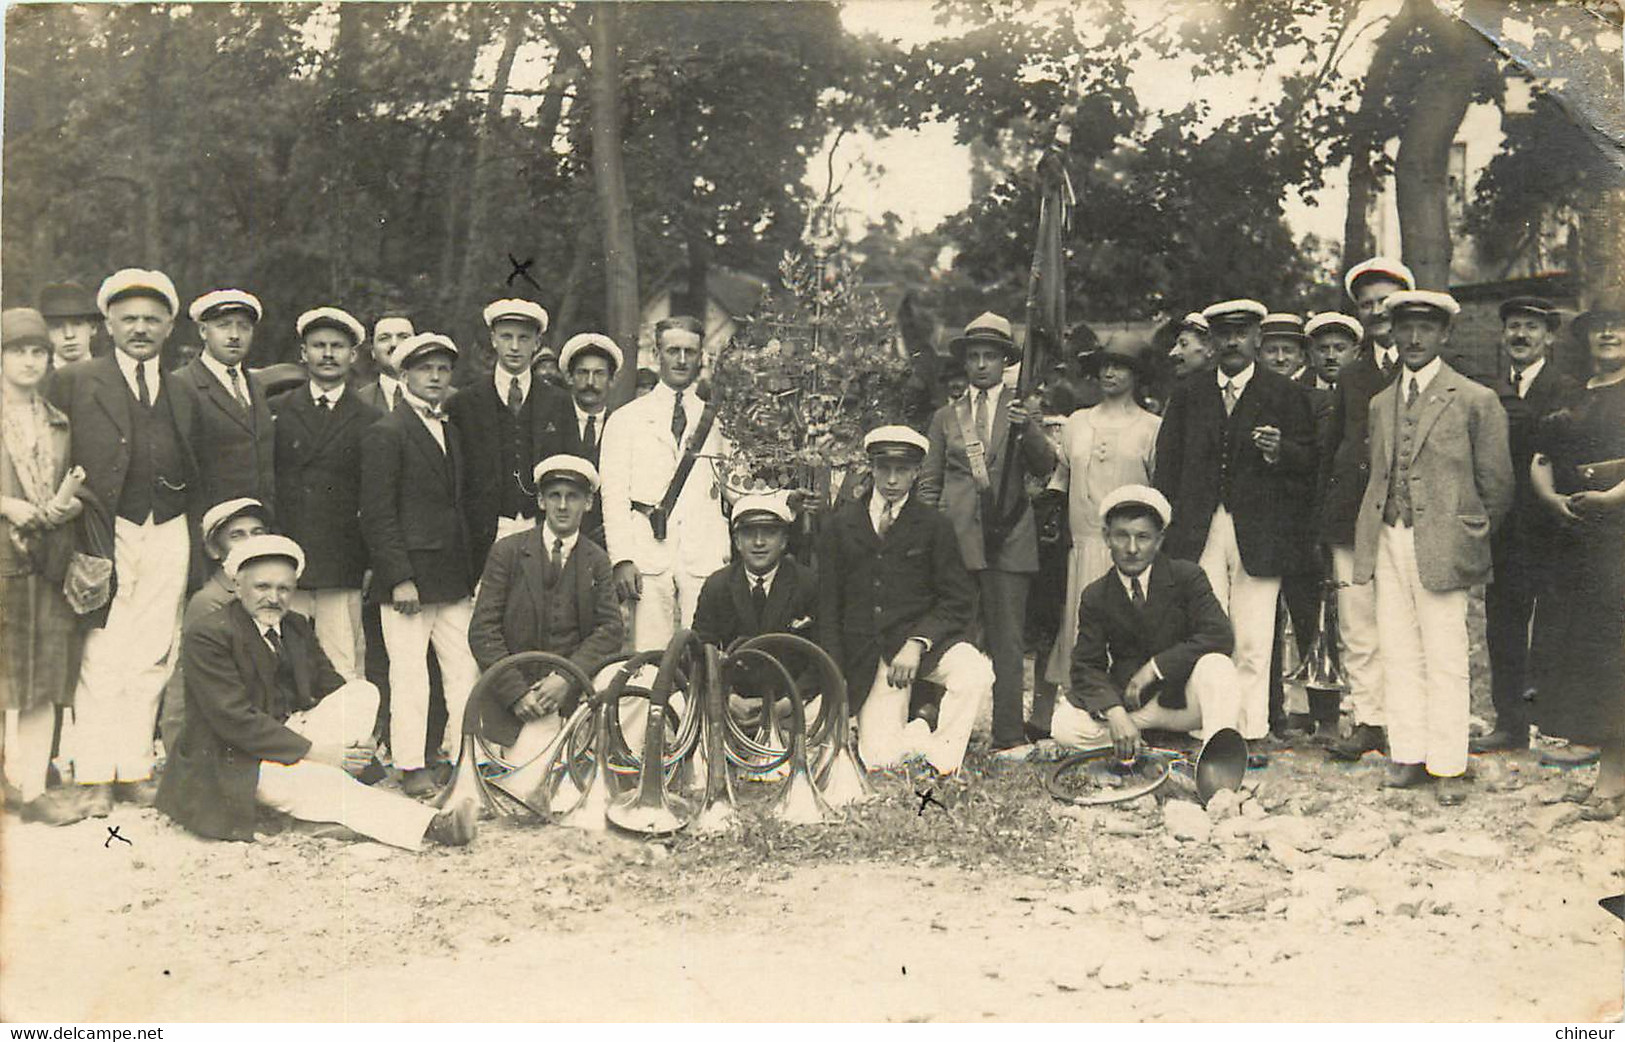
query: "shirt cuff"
1157, 670
926, 643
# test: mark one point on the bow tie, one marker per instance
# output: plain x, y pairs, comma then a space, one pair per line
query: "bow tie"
432, 412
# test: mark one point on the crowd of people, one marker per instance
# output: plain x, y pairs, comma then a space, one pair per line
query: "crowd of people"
227, 589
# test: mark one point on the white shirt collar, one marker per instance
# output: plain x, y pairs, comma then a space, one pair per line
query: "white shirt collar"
1297, 374
127, 366
1528, 375
972, 393
502, 378
1385, 356
387, 384
266, 631
1239, 381
877, 506
222, 373
418, 405
1128, 586
549, 537
582, 414
317, 394
1422, 376
766, 579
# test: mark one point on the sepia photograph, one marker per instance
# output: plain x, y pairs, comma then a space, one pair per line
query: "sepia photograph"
782, 512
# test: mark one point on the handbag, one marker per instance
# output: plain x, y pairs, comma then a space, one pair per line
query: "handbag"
89, 582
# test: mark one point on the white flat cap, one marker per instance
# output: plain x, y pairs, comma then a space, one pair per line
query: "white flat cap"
1144, 495
138, 282
1195, 320
1379, 267
513, 307
1334, 320
592, 343
1242, 310
220, 513
563, 466
223, 300
331, 318
1421, 300
258, 547
1283, 322
895, 440
763, 507
421, 344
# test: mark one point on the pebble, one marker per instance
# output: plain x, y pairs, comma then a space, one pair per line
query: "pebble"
1254, 810
1154, 927
1116, 975
1358, 845
1225, 804
1186, 821
1293, 832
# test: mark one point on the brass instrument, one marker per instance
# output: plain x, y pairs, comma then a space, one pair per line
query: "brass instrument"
650, 808
1286, 635
1322, 668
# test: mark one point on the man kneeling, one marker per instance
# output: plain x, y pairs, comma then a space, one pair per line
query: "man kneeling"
270, 721
1153, 643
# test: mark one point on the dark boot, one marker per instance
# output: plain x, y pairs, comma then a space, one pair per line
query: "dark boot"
1325, 709
1365, 738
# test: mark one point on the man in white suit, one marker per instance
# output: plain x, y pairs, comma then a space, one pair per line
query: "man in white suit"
663, 558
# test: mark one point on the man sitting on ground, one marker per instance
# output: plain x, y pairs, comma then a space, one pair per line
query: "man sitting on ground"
1153, 644
270, 721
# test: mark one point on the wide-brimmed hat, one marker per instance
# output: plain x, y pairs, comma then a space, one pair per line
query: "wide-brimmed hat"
1121, 354
67, 300
990, 329
1611, 306
20, 326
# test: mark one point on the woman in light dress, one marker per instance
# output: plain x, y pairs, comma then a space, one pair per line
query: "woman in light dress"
1102, 448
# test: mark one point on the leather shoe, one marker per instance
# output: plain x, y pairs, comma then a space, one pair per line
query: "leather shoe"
419, 782
1015, 753
140, 793
1033, 732
1499, 741
928, 713
1569, 756
453, 827
56, 807
96, 800
1365, 738
1604, 808
1450, 792
1405, 776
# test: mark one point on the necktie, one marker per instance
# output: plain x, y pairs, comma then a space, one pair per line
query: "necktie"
758, 599
1229, 397
284, 671
589, 437
557, 562
679, 419
516, 399
142, 394
1411, 391
1136, 592
981, 415
237, 387
1517, 379
1387, 366
400, 396
885, 519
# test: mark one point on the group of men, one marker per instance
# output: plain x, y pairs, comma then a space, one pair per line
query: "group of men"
344, 537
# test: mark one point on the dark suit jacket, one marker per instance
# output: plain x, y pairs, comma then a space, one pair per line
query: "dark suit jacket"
510, 616
235, 449
234, 718
318, 480
1345, 450
412, 514
97, 400
592, 526
1270, 502
724, 614
476, 413
875, 594
1529, 526
1181, 622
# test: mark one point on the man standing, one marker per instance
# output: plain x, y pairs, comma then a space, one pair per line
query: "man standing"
662, 502
507, 424
269, 721
544, 589
231, 419
1534, 388
70, 317
318, 471
1441, 480
388, 333
895, 606
1345, 467
130, 424
590, 360
1235, 456
970, 447
412, 518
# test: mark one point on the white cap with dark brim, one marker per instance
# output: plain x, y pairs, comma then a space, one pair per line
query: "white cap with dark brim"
224, 300
420, 344
895, 440
763, 508
1235, 311
137, 282
1421, 300
1144, 495
1283, 323
220, 513
513, 307
1196, 320
565, 467
332, 318
1334, 320
1378, 267
591, 343
259, 547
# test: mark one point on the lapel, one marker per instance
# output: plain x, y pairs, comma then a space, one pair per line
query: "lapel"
258, 651
540, 408
533, 572
739, 593
658, 420
345, 413
586, 609
210, 388
860, 529
999, 428
912, 516
112, 393
293, 643
417, 432
1159, 594
1435, 400
302, 411
776, 617
1248, 405
1384, 415
319, 430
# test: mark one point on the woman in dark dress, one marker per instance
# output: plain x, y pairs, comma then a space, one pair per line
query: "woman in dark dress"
39, 633
1579, 646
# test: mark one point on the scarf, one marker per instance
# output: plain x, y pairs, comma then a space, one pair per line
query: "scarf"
25, 430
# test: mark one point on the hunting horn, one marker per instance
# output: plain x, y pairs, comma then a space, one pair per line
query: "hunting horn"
649, 809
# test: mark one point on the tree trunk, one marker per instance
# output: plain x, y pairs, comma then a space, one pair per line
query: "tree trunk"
1422, 168
581, 259
614, 209
483, 175
1367, 138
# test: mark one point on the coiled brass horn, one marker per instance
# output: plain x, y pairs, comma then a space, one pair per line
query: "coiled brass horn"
650, 809
799, 801
1323, 667
719, 809
1287, 636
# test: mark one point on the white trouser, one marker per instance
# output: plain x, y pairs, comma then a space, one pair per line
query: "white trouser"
886, 734
1423, 637
28, 748
1249, 600
127, 661
665, 606
507, 526
336, 615
1213, 688
313, 791
1357, 625
408, 638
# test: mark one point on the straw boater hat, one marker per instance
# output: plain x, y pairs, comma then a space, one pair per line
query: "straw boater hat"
991, 329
